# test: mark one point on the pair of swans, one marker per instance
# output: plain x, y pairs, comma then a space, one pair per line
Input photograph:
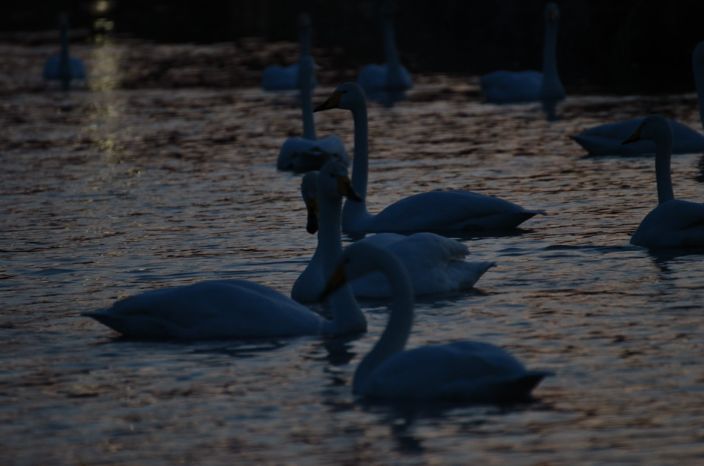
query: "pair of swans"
435, 264
435, 211
62, 67
606, 139
467, 371
504, 87
285, 78
380, 82
301, 154
674, 223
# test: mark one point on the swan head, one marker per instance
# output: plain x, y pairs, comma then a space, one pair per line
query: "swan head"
653, 128
552, 13
346, 96
331, 182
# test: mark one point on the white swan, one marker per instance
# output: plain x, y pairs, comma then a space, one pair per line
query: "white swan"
284, 78
390, 76
435, 264
503, 87
436, 211
606, 139
306, 153
462, 371
234, 308
673, 223
62, 67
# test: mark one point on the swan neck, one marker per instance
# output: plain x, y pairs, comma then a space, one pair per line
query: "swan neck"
398, 328
347, 317
663, 151
698, 69
360, 164
550, 51
307, 106
304, 41
390, 51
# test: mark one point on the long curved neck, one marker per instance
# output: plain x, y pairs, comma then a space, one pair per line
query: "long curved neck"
64, 66
698, 68
307, 108
390, 51
663, 151
395, 335
304, 40
360, 164
549, 51
347, 316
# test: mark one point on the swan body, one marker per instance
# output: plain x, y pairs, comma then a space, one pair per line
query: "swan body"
62, 67
504, 87
673, 223
436, 211
219, 309
435, 264
391, 76
307, 152
607, 139
285, 78
461, 371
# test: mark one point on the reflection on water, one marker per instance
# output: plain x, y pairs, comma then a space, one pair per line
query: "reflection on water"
112, 191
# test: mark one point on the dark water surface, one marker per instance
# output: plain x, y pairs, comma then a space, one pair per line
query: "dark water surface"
110, 191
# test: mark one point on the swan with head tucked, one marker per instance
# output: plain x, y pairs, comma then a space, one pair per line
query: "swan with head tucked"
606, 139
301, 154
435, 264
436, 211
219, 309
462, 371
390, 76
674, 223
505, 87
285, 78
62, 67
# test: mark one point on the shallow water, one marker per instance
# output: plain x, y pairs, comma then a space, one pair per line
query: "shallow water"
110, 191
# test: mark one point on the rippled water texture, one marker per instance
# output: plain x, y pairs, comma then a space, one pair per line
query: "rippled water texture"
110, 191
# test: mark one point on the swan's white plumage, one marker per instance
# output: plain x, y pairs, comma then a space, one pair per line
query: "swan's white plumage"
435, 264
462, 371
607, 139
436, 211
286, 78
505, 87
61, 66
673, 223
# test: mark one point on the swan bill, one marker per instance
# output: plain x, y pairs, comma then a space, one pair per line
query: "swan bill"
344, 186
337, 279
331, 102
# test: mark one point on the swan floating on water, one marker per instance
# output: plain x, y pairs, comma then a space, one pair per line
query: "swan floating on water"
218, 309
301, 154
62, 67
674, 223
435, 264
505, 87
435, 211
462, 371
383, 82
606, 139
285, 78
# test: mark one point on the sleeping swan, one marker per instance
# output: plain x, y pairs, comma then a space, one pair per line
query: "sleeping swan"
435, 211
606, 139
435, 264
673, 223
466, 371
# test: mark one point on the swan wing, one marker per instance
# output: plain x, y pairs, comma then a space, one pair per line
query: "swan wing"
210, 309
504, 87
443, 211
280, 78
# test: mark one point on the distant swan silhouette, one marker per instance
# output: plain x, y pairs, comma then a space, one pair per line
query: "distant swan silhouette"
306, 153
462, 371
234, 308
436, 211
673, 223
62, 67
285, 78
606, 139
436, 264
504, 87
390, 76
